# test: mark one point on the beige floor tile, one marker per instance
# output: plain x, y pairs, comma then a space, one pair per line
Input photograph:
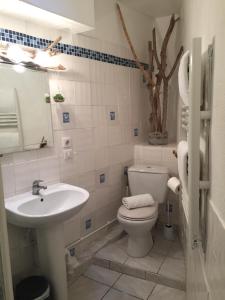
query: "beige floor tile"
114, 252
118, 295
161, 246
165, 293
87, 289
102, 275
133, 286
176, 251
148, 263
173, 269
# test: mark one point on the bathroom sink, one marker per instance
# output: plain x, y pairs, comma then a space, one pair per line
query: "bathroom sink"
46, 213
54, 205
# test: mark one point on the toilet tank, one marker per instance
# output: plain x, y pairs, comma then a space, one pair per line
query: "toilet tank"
147, 179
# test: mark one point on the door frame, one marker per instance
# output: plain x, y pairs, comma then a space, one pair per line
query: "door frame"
4, 247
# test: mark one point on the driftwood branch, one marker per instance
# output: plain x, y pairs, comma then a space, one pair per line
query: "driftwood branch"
175, 63
158, 116
168, 35
163, 66
53, 44
138, 63
155, 49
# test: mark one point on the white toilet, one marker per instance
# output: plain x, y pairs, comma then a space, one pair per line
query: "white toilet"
139, 222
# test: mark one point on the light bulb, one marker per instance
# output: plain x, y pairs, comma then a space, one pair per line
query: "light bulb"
42, 58
16, 54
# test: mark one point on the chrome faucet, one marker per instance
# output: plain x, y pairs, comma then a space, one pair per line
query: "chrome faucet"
36, 187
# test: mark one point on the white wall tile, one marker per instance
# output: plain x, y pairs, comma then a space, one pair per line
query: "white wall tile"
125, 114
85, 161
97, 94
23, 157
8, 176
81, 68
99, 116
82, 117
68, 168
71, 230
102, 196
116, 173
152, 154
90, 207
87, 181
115, 135
100, 137
83, 139
25, 174
101, 158
96, 72
109, 94
82, 93
49, 169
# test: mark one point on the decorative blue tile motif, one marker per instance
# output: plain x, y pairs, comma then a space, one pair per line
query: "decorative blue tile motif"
112, 115
102, 178
35, 42
66, 117
136, 131
72, 251
88, 224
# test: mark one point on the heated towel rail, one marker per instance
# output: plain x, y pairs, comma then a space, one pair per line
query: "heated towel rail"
195, 121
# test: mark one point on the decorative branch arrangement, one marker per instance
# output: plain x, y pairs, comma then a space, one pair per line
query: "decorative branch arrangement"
156, 80
31, 58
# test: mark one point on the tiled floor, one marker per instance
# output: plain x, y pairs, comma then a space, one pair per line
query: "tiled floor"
104, 284
165, 261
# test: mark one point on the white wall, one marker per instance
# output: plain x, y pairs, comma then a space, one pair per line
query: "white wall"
77, 10
109, 29
106, 37
206, 19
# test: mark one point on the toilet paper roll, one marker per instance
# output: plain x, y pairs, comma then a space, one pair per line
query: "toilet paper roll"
174, 184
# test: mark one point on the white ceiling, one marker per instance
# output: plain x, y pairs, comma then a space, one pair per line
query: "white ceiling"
154, 8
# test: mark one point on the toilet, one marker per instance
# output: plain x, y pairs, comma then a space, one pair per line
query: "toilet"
138, 222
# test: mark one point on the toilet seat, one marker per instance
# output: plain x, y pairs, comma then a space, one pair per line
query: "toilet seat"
138, 214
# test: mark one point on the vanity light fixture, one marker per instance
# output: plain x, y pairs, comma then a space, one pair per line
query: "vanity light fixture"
16, 54
31, 58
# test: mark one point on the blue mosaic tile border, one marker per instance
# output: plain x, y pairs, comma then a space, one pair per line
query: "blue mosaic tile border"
35, 42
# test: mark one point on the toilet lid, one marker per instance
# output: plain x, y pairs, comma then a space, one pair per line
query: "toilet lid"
142, 213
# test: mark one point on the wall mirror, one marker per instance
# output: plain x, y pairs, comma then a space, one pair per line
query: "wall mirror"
25, 109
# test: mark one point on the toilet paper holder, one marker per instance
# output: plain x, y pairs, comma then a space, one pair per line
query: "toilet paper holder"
175, 153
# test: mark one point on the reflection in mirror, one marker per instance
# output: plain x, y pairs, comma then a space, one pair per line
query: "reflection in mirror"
25, 111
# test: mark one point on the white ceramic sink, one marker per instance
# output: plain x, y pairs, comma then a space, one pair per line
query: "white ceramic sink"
56, 204
47, 212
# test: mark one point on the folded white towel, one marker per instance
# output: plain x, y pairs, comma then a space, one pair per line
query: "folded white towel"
183, 78
138, 201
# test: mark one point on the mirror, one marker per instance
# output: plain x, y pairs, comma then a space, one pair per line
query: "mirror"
25, 109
